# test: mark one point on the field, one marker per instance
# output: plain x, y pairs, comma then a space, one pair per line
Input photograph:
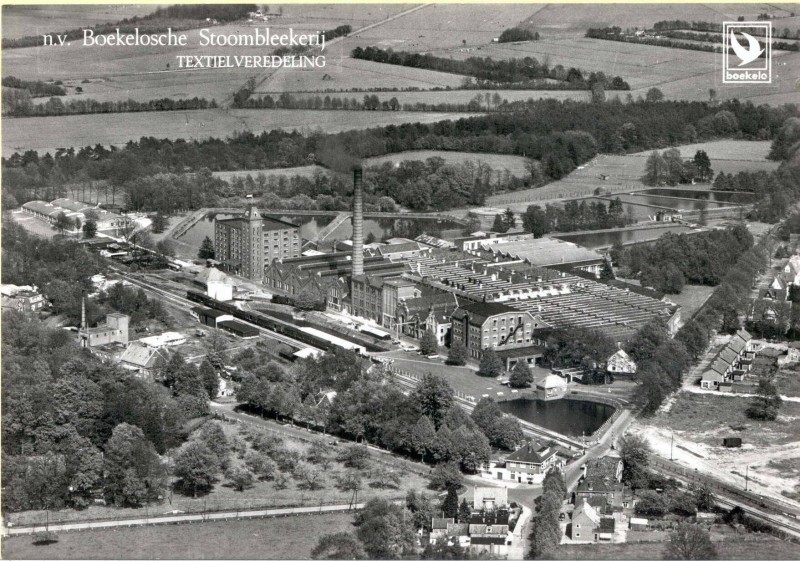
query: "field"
623, 173
498, 162
49, 133
699, 422
21, 21
731, 548
344, 73
271, 538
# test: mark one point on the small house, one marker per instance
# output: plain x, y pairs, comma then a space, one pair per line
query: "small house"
732, 442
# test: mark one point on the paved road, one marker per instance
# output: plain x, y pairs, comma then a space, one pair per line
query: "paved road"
181, 519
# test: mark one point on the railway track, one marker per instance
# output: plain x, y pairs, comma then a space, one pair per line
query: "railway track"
186, 304
763, 508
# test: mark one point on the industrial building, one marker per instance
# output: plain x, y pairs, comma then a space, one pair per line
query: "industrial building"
245, 245
49, 212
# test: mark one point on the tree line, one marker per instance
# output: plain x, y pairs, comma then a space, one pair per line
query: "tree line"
673, 25
20, 105
178, 17
511, 70
37, 88
514, 34
670, 168
717, 37
535, 132
574, 215
674, 259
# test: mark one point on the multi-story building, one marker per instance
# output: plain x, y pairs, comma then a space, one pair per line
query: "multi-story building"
394, 292
245, 245
22, 298
490, 325
366, 293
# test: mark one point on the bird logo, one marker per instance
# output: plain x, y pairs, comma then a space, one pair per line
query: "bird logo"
751, 53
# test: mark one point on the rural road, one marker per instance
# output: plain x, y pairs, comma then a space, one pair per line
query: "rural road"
180, 519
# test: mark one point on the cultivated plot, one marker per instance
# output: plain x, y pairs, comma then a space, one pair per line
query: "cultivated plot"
48, 133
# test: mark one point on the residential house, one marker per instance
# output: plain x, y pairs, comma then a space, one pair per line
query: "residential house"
777, 290
588, 525
488, 532
791, 272
21, 298
620, 364
732, 362
528, 464
142, 359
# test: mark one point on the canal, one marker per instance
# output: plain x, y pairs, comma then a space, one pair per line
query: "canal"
565, 416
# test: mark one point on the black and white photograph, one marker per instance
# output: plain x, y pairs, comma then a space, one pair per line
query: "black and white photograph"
400, 281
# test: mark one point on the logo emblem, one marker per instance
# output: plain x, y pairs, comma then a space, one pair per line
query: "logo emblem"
750, 64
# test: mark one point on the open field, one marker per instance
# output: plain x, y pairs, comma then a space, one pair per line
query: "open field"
699, 422
731, 548
21, 21
498, 162
271, 538
624, 173
48, 133
344, 73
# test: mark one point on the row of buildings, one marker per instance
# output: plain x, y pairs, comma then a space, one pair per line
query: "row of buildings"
76, 212
731, 364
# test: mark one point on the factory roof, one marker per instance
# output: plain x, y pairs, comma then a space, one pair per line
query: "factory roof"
543, 251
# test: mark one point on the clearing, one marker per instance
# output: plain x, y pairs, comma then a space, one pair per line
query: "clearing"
691, 298
48, 133
498, 162
266, 538
699, 422
304, 171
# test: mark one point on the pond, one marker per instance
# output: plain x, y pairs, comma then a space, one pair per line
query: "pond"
310, 225
594, 240
712, 196
565, 416
671, 202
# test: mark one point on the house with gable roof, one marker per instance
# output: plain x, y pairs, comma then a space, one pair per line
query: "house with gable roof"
731, 363
528, 464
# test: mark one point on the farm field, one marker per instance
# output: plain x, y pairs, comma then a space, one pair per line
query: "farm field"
700, 421
623, 172
465, 96
498, 162
268, 538
21, 21
48, 133
344, 73
731, 548
445, 26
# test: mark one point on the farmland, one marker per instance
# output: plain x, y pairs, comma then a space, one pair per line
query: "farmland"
21, 21
48, 133
273, 538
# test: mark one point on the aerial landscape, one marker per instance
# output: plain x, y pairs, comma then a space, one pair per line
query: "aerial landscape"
400, 281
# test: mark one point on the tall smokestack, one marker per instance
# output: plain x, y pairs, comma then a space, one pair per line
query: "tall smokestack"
358, 223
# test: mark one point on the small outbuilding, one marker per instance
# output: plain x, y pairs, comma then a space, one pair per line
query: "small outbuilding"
732, 442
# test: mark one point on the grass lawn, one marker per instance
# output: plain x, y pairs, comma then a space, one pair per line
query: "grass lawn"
267, 538
788, 381
691, 298
767, 548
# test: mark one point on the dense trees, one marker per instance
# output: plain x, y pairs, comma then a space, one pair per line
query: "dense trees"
206, 250
527, 69
134, 473
574, 215
521, 376
634, 452
702, 258
490, 366
21, 107
36, 88
428, 345
502, 431
534, 129
669, 168
546, 534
